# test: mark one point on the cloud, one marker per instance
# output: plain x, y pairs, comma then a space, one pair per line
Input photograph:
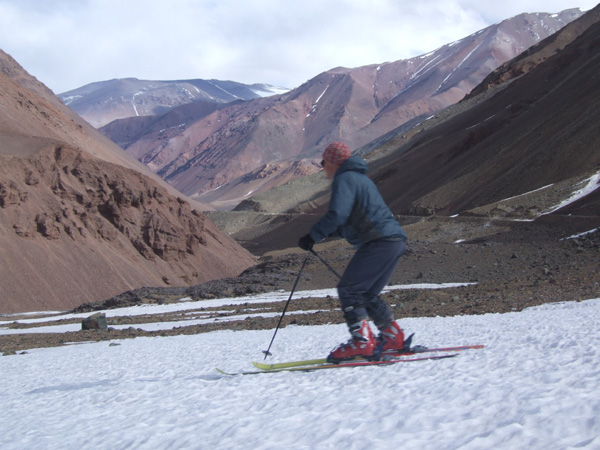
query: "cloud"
69, 43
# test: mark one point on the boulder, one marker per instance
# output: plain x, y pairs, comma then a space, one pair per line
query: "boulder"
94, 322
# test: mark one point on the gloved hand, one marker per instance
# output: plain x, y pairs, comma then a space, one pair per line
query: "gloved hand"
306, 242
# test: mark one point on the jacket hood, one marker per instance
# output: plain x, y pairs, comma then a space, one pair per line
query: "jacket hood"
354, 163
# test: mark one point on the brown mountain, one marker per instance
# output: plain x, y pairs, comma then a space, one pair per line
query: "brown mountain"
261, 179
356, 105
80, 220
535, 129
518, 149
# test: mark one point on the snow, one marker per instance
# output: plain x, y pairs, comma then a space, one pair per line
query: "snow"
578, 235
587, 185
314, 106
188, 92
185, 304
457, 67
428, 65
268, 90
591, 184
536, 385
133, 102
224, 90
67, 100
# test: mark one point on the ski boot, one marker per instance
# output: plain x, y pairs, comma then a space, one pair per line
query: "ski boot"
391, 339
362, 344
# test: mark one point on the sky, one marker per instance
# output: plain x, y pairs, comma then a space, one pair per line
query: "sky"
67, 44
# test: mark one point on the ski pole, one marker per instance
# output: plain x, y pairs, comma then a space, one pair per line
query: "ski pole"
266, 352
327, 265
344, 283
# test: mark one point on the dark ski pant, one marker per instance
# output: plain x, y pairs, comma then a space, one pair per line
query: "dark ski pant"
367, 274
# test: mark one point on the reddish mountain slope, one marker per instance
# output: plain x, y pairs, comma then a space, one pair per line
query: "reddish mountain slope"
541, 128
77, 222
516, 150
356, 105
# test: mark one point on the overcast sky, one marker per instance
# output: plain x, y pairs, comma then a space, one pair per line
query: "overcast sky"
69, 43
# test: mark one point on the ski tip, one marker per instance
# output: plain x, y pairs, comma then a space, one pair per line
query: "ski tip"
222, 372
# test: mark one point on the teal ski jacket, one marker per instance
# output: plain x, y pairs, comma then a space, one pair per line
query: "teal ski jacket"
356, 211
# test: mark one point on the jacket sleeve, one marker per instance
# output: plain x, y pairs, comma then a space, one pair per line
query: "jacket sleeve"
340, 207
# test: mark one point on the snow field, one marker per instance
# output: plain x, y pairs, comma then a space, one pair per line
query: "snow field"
534, 386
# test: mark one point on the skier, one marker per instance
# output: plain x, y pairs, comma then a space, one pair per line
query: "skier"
358, 213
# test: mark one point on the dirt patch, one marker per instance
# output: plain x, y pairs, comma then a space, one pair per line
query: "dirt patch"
513, 265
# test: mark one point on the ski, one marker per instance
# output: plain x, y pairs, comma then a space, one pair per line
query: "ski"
358, 363
412, 351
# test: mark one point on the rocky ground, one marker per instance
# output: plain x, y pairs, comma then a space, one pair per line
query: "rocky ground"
512, 265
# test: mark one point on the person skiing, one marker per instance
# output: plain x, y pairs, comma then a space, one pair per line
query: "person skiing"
358, 213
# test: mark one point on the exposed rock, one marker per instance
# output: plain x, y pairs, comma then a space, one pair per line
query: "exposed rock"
100, 229
78, 221
94, 322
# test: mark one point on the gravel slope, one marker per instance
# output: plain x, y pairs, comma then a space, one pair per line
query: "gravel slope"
513, 265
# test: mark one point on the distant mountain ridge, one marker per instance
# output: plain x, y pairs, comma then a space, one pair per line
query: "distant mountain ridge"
102, 102
210, 149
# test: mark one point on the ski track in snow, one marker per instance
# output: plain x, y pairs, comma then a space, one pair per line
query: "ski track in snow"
536, 385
